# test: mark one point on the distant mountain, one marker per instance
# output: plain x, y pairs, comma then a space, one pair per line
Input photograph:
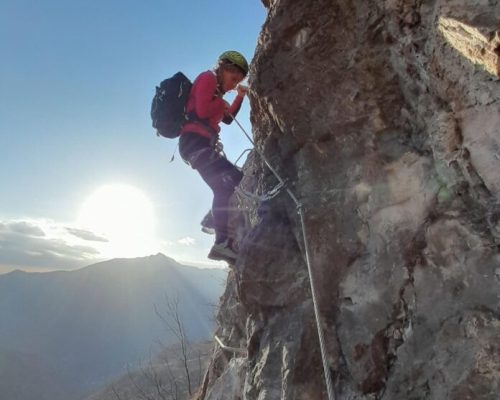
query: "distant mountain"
27, 376
89, 324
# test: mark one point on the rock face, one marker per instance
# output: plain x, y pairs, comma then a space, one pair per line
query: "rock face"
384, 118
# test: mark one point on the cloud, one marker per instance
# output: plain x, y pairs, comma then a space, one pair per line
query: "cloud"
22, 227
187, 241
43, 245
86, 235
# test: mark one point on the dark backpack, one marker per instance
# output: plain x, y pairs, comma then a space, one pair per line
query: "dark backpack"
168, 109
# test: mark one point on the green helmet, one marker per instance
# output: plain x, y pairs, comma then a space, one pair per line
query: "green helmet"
235, 58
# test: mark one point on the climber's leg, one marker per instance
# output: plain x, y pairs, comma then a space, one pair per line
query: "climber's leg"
222, 177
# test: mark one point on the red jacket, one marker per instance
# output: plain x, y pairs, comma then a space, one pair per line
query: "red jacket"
205, 104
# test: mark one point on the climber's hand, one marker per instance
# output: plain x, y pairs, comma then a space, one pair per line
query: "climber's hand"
242, 90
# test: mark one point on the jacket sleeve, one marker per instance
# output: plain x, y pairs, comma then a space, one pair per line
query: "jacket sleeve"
206, 103
233, 110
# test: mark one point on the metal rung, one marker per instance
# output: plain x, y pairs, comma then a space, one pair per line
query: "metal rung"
235, 350
242, 154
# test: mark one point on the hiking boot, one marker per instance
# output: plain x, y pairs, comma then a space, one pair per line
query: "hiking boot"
223, 252
208, 223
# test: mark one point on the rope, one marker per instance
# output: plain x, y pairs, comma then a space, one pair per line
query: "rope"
326, 369
271, 194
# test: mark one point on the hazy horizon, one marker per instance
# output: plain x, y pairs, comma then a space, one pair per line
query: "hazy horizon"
5, 269
78, 329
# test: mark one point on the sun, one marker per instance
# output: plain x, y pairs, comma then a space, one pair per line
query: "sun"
123, 215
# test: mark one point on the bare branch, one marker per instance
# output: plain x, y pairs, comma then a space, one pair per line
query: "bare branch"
115, 392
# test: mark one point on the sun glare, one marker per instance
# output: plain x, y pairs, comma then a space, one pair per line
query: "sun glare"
124, 216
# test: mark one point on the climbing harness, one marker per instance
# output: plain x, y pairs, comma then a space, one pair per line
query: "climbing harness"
300, 210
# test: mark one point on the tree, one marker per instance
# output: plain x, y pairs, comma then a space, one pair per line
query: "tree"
177, 370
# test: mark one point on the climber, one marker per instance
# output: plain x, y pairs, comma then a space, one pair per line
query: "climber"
199, 143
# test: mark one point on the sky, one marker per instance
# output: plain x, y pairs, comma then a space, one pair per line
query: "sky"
83, 176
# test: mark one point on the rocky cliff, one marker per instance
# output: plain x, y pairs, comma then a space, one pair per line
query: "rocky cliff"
384, 118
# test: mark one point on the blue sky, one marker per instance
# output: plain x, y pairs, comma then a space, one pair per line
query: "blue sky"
76, 82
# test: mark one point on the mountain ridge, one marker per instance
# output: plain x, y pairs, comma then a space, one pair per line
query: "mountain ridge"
91, 322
